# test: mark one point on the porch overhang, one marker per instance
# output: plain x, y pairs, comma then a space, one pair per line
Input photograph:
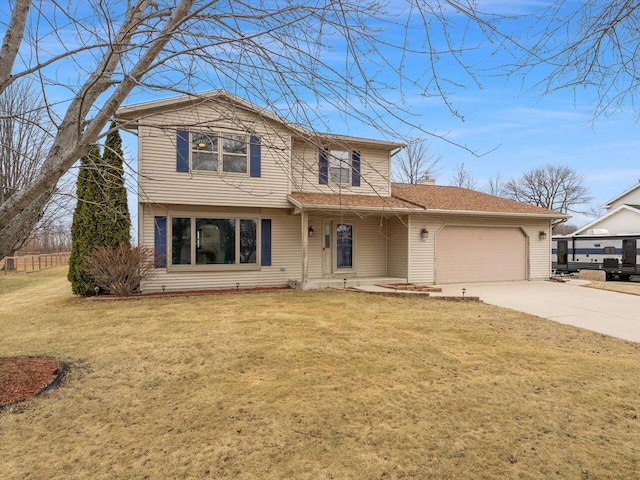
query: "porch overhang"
335, 202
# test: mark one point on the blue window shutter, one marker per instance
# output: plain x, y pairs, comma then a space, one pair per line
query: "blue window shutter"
355, 168
266, 242
182, 151
160, 242
323, 168
254, 156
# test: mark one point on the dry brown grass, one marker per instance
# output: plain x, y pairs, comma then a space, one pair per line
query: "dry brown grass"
616, 287
313, 385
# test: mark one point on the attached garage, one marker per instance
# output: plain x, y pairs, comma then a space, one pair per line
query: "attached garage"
480, 254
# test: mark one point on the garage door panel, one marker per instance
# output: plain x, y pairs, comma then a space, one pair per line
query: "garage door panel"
480, 254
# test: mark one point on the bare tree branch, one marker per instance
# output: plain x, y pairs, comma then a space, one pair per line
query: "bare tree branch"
462, 178
415, 163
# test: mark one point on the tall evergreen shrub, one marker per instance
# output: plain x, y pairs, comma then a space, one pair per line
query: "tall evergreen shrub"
101, 217
117, 209
86, 228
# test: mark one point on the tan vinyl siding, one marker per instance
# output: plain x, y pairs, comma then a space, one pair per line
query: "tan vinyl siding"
285, 264
371, 251
374, 168
315, 246
422, 255
397, 247
160, 183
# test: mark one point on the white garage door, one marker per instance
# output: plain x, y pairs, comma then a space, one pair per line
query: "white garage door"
479, 254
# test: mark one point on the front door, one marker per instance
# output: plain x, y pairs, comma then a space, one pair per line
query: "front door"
337, 247
629, 255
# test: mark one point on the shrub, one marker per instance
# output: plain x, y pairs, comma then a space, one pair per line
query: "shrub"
119, 270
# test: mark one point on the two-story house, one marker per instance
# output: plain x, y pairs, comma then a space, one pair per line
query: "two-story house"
622, 217
233, 195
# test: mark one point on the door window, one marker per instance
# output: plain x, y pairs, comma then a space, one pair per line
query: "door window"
344, 245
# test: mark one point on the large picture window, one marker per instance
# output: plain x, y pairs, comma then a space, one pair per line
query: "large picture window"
214, 241
219, 152
339, 166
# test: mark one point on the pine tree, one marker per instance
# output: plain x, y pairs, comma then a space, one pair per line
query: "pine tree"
117, 219
85, 228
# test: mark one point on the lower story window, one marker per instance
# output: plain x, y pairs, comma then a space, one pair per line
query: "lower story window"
213, 241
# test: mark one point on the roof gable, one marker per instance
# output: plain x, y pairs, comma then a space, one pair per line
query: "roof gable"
133, 112
623, 194
612, 213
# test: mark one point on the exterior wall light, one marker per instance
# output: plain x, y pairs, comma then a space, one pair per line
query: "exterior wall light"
543, 234
424, 233
311, 231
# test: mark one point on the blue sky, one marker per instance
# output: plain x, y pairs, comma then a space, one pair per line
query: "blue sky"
508, 122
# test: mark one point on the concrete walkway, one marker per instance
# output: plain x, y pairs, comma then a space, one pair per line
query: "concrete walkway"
611, 313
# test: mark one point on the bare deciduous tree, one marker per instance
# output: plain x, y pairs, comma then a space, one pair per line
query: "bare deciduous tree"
296, 58
591, 44
415, 163
462, 178
564, 229
25, 138
495, 185
557, 188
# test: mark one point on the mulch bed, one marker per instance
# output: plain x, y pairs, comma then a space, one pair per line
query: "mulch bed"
25, 377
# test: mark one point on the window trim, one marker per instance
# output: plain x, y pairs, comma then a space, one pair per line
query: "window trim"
193, 267
349, 168
220, 134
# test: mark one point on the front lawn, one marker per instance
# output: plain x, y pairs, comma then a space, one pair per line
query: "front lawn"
632, 289
313, 385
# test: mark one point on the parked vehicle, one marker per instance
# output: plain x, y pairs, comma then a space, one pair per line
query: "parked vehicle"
617, 255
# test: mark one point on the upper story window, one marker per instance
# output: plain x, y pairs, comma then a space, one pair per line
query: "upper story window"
340, 166
215, 152
204, 152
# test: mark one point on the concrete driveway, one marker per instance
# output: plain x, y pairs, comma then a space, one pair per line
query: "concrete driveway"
611, 313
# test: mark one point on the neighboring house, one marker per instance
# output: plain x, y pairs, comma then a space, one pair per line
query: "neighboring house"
622, 217
230, 194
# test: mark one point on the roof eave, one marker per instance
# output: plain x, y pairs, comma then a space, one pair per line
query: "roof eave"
496, 214
363, 208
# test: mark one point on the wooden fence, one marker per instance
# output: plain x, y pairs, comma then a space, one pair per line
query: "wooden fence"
33, 263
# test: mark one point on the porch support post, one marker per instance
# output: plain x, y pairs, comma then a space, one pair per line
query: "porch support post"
305, 246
